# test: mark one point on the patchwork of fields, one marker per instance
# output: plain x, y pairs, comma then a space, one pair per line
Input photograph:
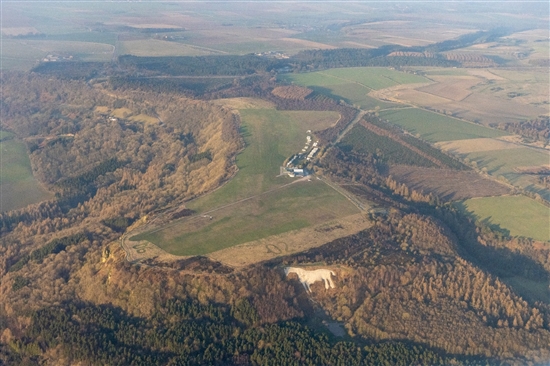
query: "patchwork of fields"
467, 93
354, 83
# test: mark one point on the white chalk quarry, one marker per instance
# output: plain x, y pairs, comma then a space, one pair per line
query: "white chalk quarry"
308, 278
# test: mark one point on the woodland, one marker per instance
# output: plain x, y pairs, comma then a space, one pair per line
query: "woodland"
425, 284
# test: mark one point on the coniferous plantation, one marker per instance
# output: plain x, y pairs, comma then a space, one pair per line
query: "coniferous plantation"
136, 145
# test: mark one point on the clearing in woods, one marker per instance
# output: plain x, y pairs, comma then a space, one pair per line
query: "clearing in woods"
257, 203
520, 215
18, 187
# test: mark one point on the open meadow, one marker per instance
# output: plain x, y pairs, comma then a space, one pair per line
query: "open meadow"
520, 215
257, 202
18, 187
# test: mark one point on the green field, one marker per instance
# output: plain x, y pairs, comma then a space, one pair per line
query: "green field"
521, 215
19, 56
503, 162
354, 83
5, 135
370, 77
18, 188
274, 206
361, 140
271, 136
290, 208
435, 127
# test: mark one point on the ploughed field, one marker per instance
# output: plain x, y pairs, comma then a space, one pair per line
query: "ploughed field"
446, 183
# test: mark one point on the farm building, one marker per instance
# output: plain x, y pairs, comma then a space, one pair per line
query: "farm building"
295, 172
312, 153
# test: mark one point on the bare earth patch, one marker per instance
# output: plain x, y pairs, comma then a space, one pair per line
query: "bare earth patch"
411, 96
19, 31
476, 145
309, 44
392, 93
448, 184
455, 88
244, 103
291, 92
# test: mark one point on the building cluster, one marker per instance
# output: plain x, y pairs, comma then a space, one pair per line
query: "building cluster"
273, 54
291, 167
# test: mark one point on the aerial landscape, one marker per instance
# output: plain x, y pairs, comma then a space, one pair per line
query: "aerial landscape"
274, 183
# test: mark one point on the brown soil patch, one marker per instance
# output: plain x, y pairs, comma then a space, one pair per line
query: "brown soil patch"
360, 45
291, 242
19, 31
392, 93
483, 73
448, 184
419, 98
454, 88
309, 44
244, 103
539, 169
476, 145
291, 92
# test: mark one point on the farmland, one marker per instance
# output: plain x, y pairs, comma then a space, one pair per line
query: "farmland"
434, 127
18, 188
369, 77
520, 215
487, 96
257, 202
447, 184
154, 47
503, 162
361, 140
354, 84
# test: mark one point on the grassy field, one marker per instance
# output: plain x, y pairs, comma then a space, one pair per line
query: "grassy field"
353, 84
434, 127
154, 47
503, 162
271, 136
257, 202
521, 215
5, 134
18, 56
370, 77
290, 208
18, 187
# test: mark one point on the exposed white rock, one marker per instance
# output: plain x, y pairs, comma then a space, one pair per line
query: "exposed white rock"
307, 278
